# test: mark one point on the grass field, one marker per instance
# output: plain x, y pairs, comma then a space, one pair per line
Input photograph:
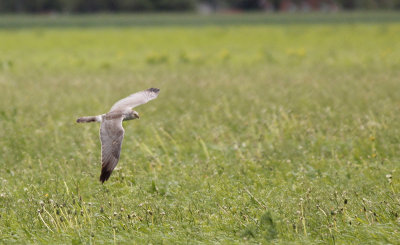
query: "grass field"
268, 133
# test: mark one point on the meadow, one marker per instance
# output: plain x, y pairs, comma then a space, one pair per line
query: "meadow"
265, 132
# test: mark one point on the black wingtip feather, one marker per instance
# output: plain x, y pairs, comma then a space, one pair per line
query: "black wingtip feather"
105, 174
154, 90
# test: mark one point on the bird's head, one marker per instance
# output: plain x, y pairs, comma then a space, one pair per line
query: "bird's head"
131, 115
135, 114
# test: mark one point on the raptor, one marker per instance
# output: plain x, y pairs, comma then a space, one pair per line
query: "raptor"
111, 130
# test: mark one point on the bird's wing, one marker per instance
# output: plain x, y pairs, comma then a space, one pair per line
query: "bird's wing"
135, 99
111, 136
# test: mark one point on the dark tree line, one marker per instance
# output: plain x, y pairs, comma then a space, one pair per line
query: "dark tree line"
82, 6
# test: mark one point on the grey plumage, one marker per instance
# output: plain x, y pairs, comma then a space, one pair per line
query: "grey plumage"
135, 99
111, 136
88, 119
111, 130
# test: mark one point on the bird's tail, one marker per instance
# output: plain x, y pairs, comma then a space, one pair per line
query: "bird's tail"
89, 119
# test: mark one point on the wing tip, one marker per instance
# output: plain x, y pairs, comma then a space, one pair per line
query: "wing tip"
105, 175
154, 90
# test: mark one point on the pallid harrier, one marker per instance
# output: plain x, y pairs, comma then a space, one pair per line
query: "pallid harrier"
111, 130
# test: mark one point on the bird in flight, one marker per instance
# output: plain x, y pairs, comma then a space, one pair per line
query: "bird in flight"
111, 130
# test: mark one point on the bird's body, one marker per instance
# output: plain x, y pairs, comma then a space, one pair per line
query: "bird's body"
111, 130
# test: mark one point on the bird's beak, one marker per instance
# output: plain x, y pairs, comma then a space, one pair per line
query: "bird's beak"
137, 116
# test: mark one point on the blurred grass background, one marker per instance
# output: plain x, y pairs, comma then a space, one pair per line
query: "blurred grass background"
168, 19
278, 132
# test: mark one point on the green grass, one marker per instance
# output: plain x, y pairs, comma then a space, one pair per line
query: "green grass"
286, 133
189, 19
